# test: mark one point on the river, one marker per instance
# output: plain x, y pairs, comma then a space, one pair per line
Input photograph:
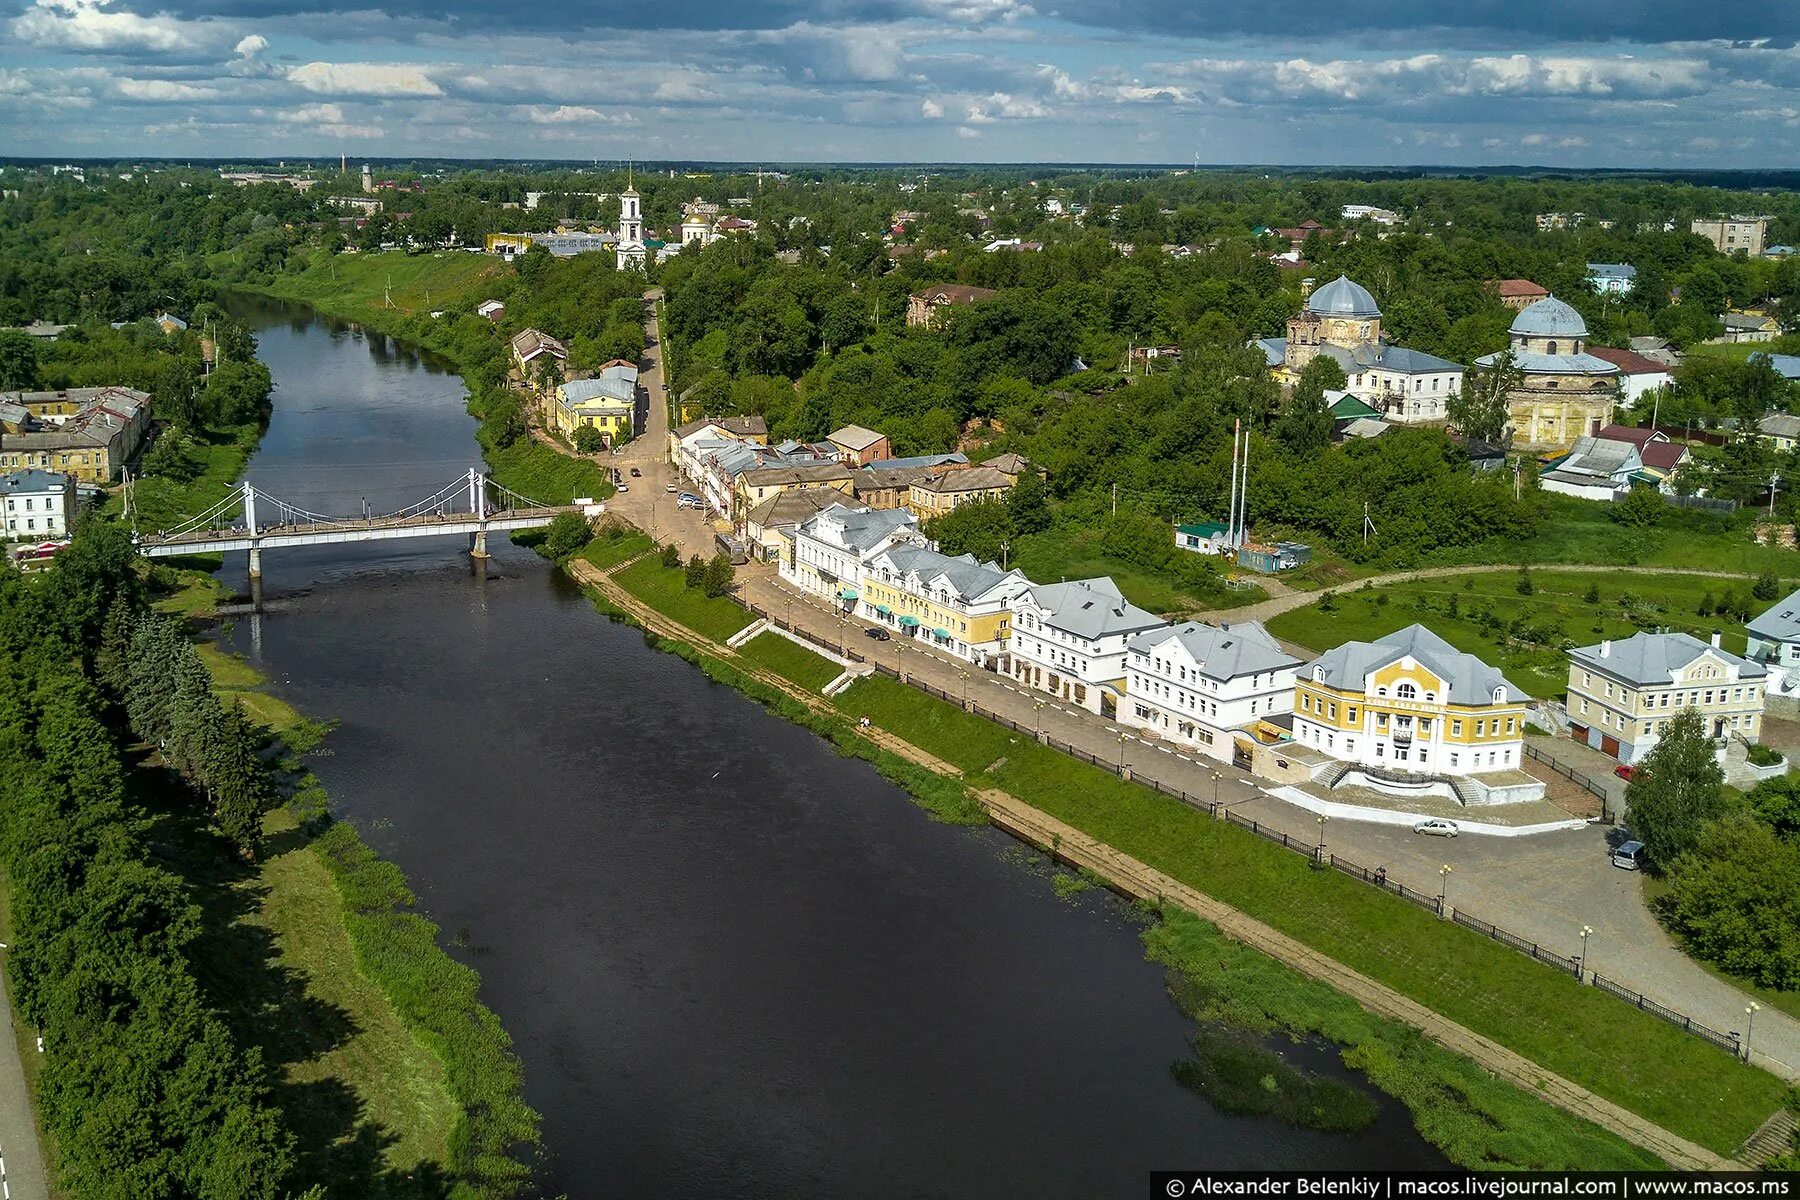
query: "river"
733, 963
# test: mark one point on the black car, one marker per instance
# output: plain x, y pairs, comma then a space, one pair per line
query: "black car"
636, 474
878, 633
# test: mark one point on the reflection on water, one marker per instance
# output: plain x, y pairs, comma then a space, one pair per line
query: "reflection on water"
733, 963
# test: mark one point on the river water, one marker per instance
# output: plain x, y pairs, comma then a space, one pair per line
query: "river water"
733, 963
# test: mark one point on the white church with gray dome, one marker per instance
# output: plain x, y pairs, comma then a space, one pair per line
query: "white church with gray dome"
1564, 393
1342, 321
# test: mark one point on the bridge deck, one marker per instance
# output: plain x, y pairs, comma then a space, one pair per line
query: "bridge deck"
320, 533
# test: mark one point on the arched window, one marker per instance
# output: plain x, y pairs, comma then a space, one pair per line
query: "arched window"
1551, 348
1499, 695
1406, 691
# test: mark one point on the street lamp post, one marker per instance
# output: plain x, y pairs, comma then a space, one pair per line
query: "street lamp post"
1215, 779
1038, 711
1587, 931
1750, 1026
964, 675
1320, 853
1443, 886
1123, 737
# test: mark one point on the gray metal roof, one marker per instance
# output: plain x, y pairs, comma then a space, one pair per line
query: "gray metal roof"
601, 387
1274, 350
1090, 608
33, 480
1611, 271
967, 577
863, 528
918, 460
1470, 680
1549, 317
1222, 651
1412, 362
1601, 456
1533, 363
1780, 622
1649, 658
1343, 297
1779, 425
1786, 365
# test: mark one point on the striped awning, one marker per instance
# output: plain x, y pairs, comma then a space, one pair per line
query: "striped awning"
909, 621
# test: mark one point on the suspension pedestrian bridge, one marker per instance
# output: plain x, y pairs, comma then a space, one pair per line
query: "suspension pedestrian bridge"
470, 507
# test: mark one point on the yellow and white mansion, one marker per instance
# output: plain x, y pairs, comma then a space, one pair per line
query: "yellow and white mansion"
1410, 702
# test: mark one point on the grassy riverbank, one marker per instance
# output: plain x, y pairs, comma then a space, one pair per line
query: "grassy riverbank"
394, 1077
1476, 1119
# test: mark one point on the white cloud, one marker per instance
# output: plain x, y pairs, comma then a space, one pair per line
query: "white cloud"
312, 114
352, 131
963, 131
250, 46
162, 90
97, 25
931, 110
364, 79
569, 113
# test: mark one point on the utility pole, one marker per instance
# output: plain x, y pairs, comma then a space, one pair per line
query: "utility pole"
1115, 499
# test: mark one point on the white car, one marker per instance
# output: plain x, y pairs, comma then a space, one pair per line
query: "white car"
1437, 827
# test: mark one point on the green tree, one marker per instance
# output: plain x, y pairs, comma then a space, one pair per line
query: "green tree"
1734, 899
983, 529
1640, 508
1676, 789
696, 572
671, 556
1767, 587
1304, 426
1028, 503
18, 361
1480, 410
567, 534
717, 578
589, 440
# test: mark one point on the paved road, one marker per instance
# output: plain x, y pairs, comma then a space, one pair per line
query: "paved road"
21, 1161
1544, 888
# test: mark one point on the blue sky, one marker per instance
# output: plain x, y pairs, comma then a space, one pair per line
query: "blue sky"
1559, 82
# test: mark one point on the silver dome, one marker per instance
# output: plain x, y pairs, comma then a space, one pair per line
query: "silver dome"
1549, 317
1343, 297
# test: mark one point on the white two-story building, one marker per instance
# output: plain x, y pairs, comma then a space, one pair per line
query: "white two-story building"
1070, 640
39, 506
1194, 684
829, 551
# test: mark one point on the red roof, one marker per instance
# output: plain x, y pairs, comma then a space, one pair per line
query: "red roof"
1629, 362
1654, 447
1519, 287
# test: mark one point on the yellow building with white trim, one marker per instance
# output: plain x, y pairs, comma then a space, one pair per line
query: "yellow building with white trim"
1410, 702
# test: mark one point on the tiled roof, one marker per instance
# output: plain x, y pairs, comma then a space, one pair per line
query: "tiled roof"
1629, 362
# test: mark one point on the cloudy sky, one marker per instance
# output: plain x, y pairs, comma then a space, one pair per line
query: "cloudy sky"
1563, 82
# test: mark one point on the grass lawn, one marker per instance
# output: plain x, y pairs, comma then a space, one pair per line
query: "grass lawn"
1524, 636
791, 661
1629, 1057
666, 590
162, 503
538, 472
182, 593
412, 283
235, 679
1065, 553
607, 552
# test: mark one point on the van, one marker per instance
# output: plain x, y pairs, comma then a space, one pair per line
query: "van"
1629, 856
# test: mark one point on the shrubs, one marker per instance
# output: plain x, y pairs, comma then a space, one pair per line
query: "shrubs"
567, 535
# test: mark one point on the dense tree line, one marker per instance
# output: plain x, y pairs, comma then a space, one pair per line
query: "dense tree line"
143, 1090
1732, 862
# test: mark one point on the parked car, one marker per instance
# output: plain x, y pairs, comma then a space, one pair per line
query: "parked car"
1625, 771
671, 488
1629, 856
878, 633
687, 498
636, 474
1437, 827
624, 487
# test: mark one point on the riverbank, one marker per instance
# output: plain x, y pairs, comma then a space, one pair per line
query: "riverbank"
1477, 1119
392, 1073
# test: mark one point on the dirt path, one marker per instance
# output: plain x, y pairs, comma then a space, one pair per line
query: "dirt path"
1021, 819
